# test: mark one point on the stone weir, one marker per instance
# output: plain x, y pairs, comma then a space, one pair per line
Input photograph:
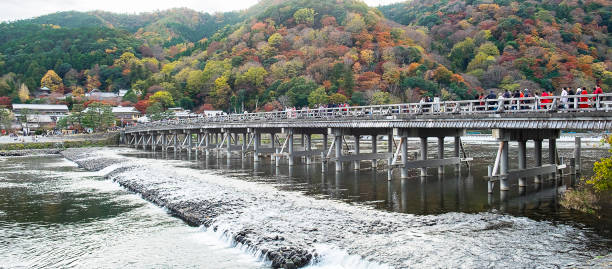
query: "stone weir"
195, 212
290, 229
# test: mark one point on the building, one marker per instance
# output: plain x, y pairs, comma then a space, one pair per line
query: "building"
38, 116
98, 95
127, 114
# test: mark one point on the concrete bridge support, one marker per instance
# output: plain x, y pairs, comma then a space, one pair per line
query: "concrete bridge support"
374, 150
522, 136
338, 145
256, 145
404, 156
357, 163
290, 140
423, 155
522, 161
441, 154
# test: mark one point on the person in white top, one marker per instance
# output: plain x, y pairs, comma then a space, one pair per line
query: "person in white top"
436, 105
564, 98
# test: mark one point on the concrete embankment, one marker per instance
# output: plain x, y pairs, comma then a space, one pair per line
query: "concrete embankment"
58, 143
290, 229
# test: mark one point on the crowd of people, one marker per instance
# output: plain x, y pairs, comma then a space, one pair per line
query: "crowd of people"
569, 98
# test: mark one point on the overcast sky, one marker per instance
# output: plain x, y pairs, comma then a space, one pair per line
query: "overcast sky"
11, 10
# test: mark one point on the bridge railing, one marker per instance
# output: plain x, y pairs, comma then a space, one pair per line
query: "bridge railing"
548, 104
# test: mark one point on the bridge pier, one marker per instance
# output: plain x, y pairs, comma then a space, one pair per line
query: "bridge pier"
538, 158
374, 151
256, 145
357, 163
308, 148
164, 141
552, 155
522, 161
577, 155
390, 152
338, 145
503, 183
520, 135
441, 154
457, 149
404, 156
423, 155
290, 146
153, 141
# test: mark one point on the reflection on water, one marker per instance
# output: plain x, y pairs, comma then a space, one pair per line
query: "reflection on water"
53, 214
463, 191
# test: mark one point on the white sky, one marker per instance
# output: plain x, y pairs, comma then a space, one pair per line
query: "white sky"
11, 10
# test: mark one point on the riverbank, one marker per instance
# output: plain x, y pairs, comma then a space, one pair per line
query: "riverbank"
291, 229
59, 142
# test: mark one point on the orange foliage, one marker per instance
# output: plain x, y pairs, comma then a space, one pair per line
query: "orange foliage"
258, 26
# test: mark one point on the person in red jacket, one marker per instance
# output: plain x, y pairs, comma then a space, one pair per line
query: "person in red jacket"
597, 90
545, 101
584, 101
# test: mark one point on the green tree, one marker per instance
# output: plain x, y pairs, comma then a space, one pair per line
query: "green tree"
130, 96
318, 97
461, 53
338, 98
381, 98
6, 119
275, 40
304, 16
98, 117
254, 77
164, 98
602, 169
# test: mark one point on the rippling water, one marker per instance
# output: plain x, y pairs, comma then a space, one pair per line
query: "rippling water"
56, 215
53, 214
451, 192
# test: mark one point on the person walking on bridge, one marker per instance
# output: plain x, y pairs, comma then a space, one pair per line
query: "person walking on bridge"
563, 98
584, 101
492, 96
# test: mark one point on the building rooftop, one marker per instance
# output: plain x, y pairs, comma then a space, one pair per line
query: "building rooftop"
40, 107
125, 109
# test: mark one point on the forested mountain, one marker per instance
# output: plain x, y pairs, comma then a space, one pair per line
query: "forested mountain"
166, 28
298, 52
511, 44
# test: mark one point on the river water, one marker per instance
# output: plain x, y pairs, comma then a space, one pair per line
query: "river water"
57, 215
54, 215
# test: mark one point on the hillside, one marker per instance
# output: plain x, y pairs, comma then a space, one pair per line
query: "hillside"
166, 28
282, 53
518, 44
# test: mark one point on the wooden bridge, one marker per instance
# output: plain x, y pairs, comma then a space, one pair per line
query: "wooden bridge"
304, 134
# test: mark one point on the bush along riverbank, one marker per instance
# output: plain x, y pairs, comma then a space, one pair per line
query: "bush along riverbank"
593, 194
291, 229
110, 139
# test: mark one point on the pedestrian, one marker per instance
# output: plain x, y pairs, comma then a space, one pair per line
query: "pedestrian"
545, 99
584, 101
563, 98
493, 97
570, 99
436, 101
597, 90
481, 104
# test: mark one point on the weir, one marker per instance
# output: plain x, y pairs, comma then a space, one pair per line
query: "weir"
339, 135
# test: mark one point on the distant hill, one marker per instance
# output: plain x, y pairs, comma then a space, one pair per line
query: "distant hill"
168, 27
536, 44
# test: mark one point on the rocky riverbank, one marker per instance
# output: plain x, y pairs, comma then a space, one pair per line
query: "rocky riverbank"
290, 229
29, 152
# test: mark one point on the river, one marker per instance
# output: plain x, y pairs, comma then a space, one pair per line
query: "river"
58, 215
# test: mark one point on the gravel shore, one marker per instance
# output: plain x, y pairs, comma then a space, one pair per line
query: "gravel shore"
29, 152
